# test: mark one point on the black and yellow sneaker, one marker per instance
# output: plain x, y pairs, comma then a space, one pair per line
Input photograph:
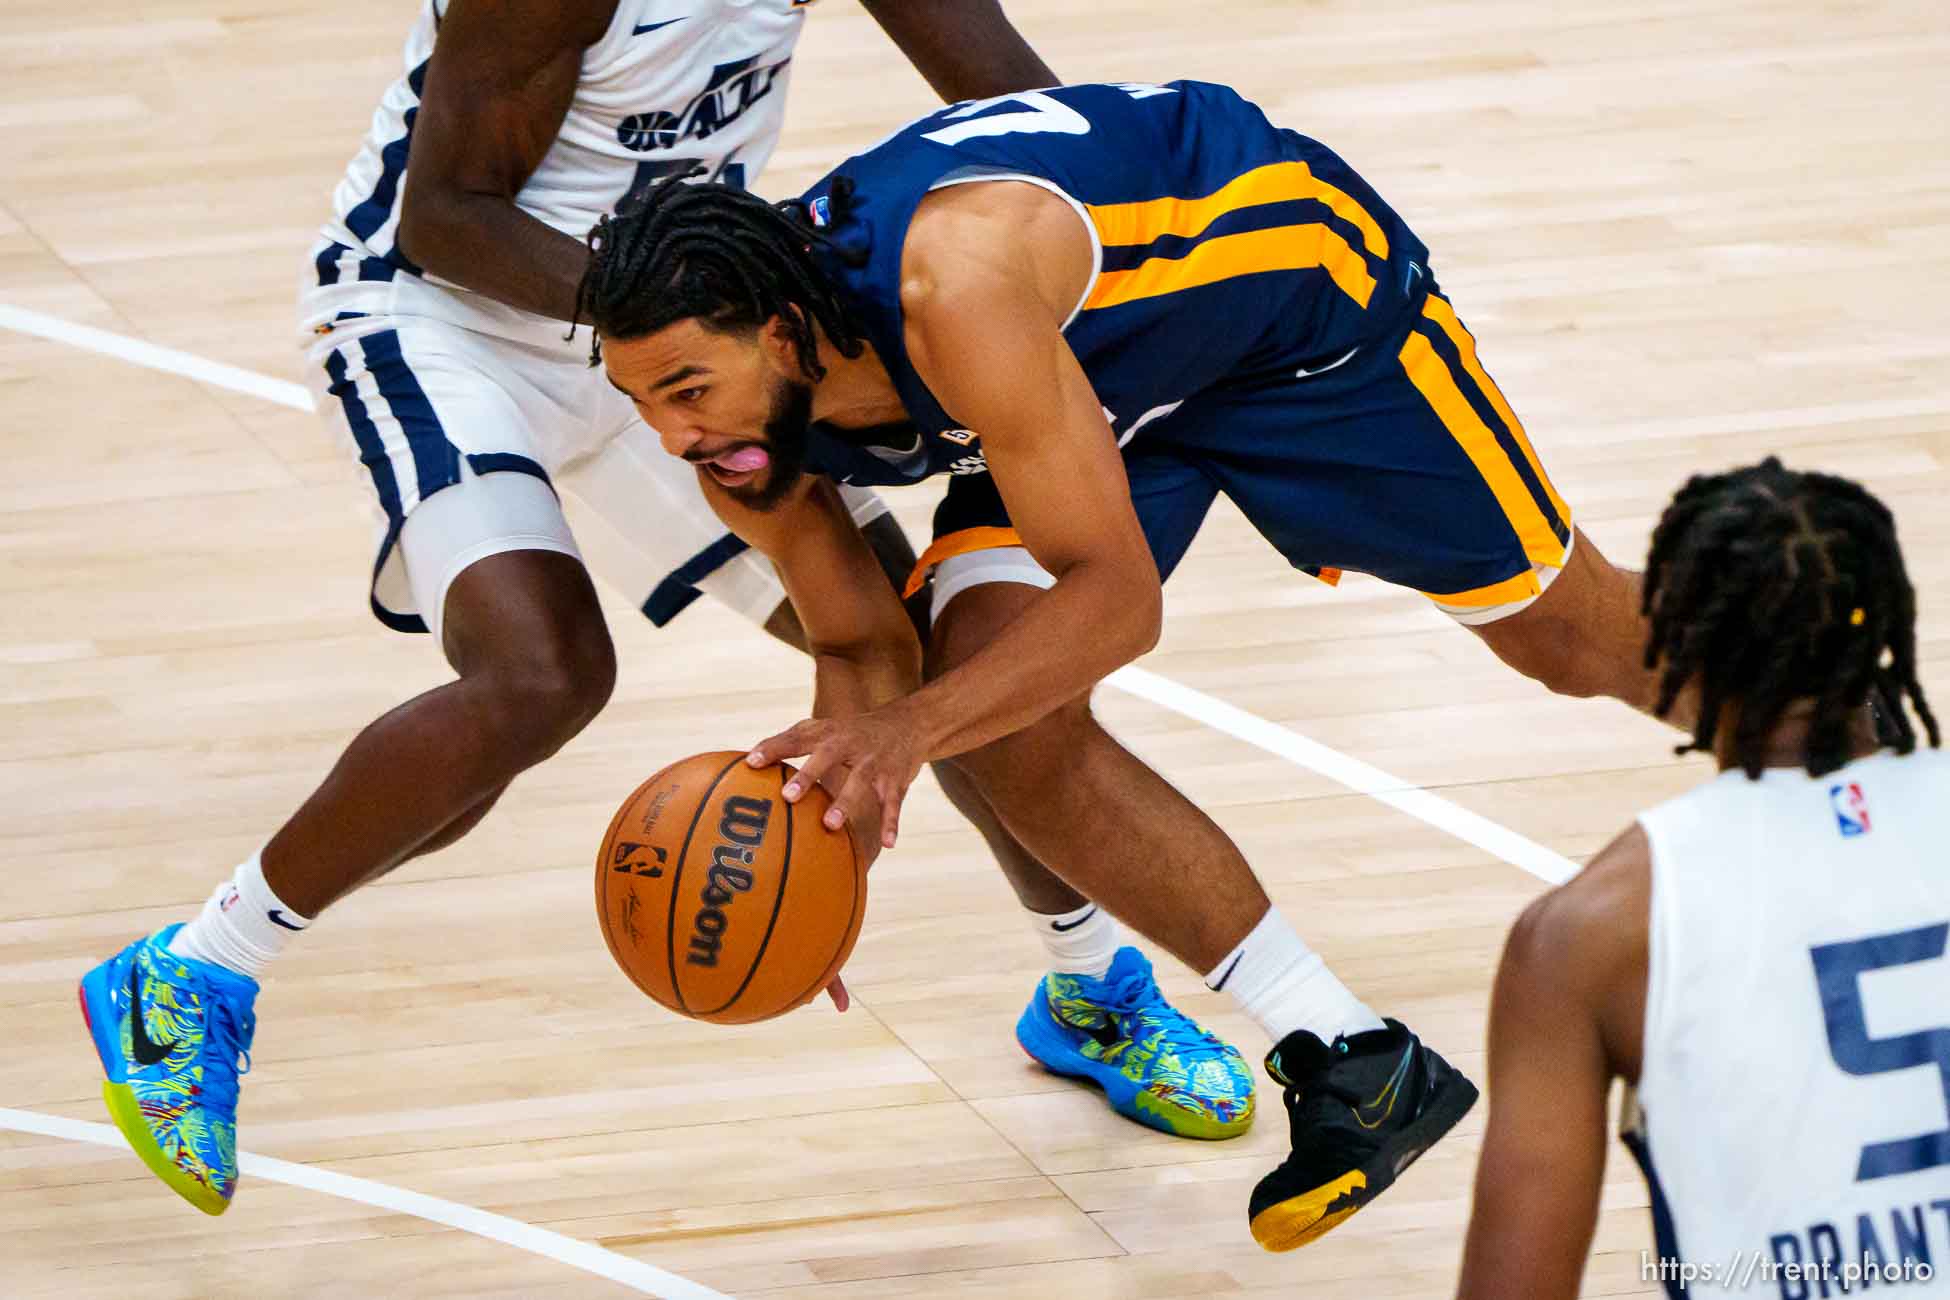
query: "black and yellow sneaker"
1361, 1111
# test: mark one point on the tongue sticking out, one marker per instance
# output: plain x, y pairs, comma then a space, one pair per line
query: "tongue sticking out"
743, 459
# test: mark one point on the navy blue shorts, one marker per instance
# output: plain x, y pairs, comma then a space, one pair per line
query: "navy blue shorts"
1400, 460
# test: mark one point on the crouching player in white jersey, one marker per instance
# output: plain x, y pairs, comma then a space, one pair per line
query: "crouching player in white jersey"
434, 319
1762, 959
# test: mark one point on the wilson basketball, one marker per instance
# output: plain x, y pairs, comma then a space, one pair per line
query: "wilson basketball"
721, 900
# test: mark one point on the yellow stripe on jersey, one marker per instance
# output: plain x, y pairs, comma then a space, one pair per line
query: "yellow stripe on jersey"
1432, 378
1286, 248
1444, 315
1283, 182
1283, 248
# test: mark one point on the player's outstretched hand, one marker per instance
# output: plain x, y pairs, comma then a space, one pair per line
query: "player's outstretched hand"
866, 762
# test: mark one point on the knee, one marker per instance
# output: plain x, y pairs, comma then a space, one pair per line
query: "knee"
1571, 667
1028, 759
959, 787
1566, 659
547, 688
1584, 636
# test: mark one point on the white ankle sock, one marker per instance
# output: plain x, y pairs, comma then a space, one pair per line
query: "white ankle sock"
1284, 985
242, 926
1082, 942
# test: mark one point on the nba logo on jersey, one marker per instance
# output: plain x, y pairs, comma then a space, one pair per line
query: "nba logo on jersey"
1851, 809
821, 212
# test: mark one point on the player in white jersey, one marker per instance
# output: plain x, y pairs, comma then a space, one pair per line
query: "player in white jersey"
1763, 959
435, 317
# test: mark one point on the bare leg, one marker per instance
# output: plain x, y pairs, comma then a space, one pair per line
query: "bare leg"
1069, 793
1037, 888
1585, 636
524, 632
454, 830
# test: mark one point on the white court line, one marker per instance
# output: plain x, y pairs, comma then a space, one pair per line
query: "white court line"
1491, 837
236, 379
645, 1279
1497, 840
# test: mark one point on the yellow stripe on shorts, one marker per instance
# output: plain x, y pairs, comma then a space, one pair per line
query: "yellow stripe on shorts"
1433, 379
1444, 315
1521, 587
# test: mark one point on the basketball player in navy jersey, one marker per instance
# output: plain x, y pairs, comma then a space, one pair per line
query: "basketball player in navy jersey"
1097, 307
1763, 959
435, 327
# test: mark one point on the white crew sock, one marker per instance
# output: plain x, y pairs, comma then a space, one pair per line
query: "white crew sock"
1082, 942
1284, 985
243, 924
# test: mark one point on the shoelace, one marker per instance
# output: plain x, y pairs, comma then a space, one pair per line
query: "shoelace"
1139, 994
226, 1055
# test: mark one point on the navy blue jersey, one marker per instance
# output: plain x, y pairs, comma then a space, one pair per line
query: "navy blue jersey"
1229, 251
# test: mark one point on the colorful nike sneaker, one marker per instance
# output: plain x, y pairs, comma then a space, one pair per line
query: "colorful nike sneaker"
171, 1032
1154, 1063
1360, 1112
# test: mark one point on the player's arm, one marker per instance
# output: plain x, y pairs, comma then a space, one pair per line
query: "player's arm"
864, 649
497, 88
988, 275
1568, 1004
986, 291
967, 49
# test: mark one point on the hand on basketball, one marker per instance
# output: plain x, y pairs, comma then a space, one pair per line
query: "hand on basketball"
866, 762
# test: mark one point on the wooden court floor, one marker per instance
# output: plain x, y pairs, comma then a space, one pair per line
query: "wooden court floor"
1686, 234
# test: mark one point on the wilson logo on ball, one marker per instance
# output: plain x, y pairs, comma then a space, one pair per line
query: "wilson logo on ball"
721, 900
741, 831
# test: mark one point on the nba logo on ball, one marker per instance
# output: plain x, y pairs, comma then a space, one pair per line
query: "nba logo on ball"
1851, 809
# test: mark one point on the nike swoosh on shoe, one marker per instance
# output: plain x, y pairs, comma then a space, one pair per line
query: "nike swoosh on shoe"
1384, 1101
144, 1049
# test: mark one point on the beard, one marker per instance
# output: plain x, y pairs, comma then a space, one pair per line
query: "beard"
788, 434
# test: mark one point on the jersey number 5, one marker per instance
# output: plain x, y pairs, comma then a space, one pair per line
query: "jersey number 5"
1838, 968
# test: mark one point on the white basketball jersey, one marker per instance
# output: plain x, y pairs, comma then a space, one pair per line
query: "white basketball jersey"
1794, 1104
671, 84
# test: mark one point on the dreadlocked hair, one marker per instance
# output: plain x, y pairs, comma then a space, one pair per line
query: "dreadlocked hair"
706, 250
1769, 586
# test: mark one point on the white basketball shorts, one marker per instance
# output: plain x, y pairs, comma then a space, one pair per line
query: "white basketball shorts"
426, 403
